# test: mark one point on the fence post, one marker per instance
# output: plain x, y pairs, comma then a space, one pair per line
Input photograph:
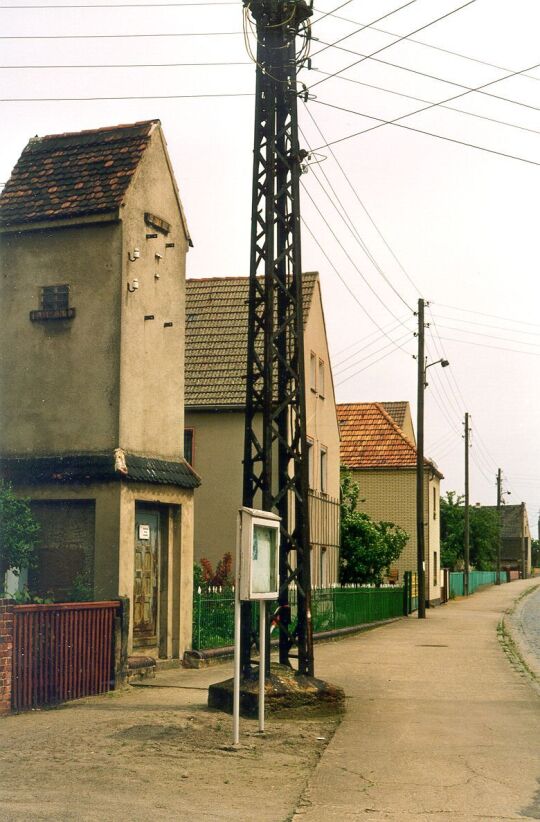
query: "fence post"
121, 637
6, 654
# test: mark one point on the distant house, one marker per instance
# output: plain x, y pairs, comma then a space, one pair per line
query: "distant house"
92, 257
516, 539
216, 360
382, 459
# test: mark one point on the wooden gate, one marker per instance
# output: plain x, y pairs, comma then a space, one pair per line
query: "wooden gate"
61, 652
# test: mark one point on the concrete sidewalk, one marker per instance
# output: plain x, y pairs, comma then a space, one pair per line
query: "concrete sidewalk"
439, 725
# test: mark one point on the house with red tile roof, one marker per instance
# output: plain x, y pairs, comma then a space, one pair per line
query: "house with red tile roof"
382, 460
92, 256
216, 358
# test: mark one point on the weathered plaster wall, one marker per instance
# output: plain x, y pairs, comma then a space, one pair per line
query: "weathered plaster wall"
322, 426
59, 378
152, 355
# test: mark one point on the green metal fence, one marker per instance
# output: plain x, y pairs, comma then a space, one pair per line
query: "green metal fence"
476, 580
331, 608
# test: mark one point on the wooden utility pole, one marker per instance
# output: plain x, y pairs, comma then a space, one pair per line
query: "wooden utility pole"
466, 518
499, 544
420, 550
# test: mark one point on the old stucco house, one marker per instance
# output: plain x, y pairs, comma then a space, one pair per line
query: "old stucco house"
382, 459
92, 254
216, 352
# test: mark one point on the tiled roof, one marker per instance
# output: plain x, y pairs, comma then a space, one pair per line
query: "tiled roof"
73, 175
216, 339
85, 468
370, 438
397, 411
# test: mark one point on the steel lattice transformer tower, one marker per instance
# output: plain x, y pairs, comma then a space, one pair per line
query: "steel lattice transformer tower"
275, 452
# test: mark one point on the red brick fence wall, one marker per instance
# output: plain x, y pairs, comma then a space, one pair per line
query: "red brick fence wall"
6, 654
53, 653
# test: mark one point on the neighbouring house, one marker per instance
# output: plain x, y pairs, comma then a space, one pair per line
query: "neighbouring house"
92, 256
516, 538
382, 459
216, 361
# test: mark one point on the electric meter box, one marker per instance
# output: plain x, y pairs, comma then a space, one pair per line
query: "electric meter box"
258, 546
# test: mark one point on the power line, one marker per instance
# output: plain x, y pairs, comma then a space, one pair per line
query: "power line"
336, 238
355, 373
490, 336
495, 347
366, 26
435, 48
330, 13
361, 202
127, 97
374, 338
449, 99
395, 42
130, 65
351, 292
484, 314
434, 77
489, 325
418, 131
440, 105
362, 359
116, 36
352, 228
124, 5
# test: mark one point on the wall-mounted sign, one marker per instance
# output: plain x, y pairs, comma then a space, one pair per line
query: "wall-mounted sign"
144, 531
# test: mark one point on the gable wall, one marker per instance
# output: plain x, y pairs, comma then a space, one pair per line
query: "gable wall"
152, 356
391, 496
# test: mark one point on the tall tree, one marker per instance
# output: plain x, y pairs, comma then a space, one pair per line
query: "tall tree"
484, 534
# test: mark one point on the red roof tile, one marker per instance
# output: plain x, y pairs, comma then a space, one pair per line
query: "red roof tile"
371, 439
68, 175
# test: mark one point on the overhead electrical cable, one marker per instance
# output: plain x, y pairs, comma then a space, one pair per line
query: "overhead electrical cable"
337, 366
484, 314
351, 226
434, 77
488, 325
359, 371
351, 260
388, 45
361, 202
417, 131
448, 99
347, 286
440, 105
338, 373
117, 36
362, 28
337, 354
494, 347
488, 336
433, 47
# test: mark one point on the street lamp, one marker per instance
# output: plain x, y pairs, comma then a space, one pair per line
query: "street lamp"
422, 385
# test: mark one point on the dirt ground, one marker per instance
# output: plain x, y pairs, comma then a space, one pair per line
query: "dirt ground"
154, 751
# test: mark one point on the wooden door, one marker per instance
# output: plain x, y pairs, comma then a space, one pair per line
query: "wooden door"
146, 582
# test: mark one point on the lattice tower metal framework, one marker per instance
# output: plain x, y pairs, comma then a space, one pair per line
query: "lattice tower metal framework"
275, 424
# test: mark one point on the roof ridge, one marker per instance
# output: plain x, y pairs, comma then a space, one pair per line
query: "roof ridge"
100, 130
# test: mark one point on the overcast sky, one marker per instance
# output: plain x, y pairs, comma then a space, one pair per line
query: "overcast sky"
404, 214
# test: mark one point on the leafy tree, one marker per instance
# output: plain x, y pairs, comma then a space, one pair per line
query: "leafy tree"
367, 548
204, 574
18, 532
483, 534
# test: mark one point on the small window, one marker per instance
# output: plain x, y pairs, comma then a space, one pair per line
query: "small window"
324, 469
313, 371
320, 381
434, 503
188, 445
53, 303
310, 462
434, 567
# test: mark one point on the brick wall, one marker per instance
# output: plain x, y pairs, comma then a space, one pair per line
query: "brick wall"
6, 652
